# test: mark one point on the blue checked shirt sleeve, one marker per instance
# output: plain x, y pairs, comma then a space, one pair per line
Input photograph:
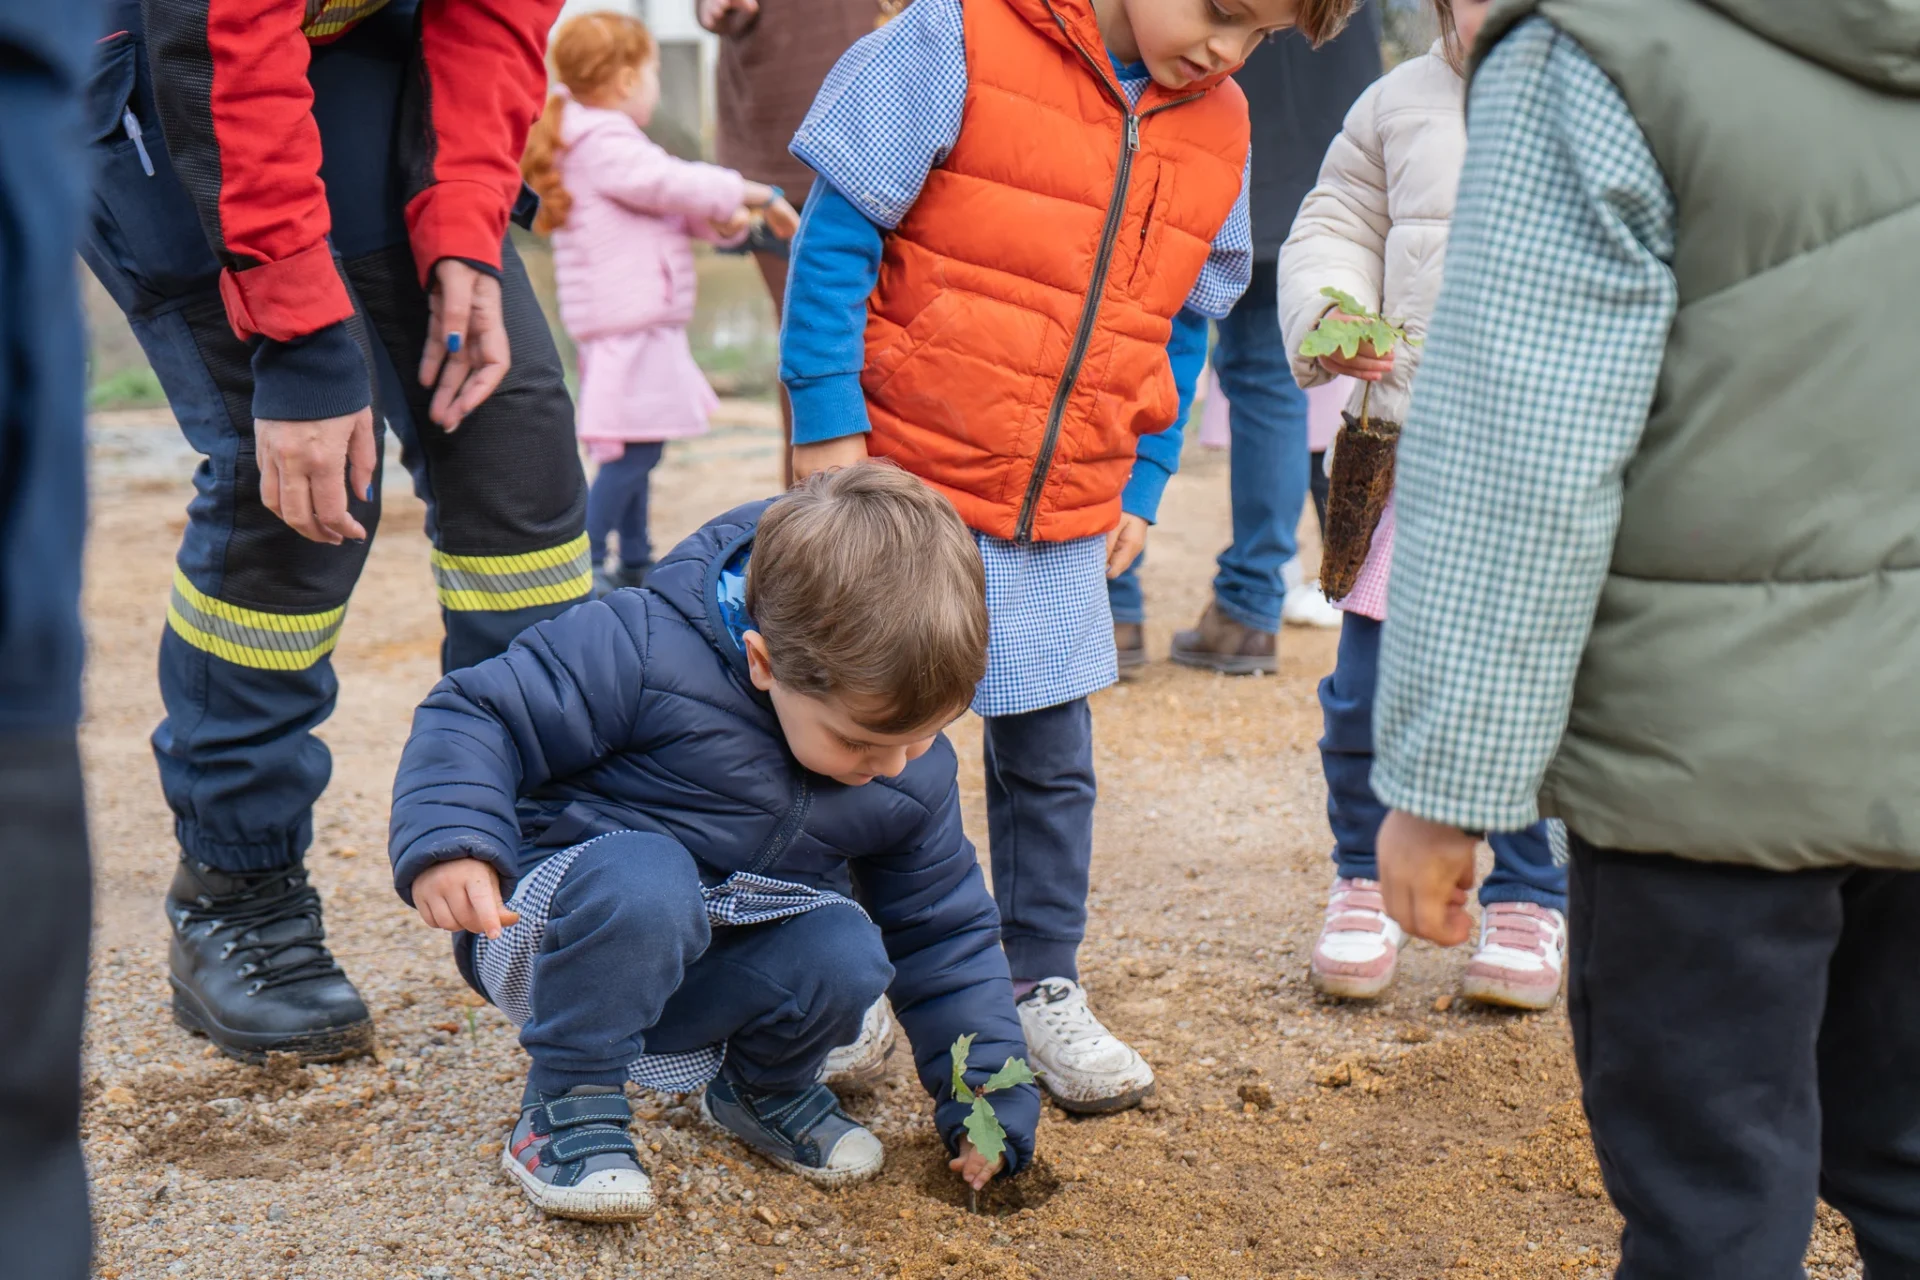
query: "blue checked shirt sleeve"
1540, 369
1229, 267
890, 111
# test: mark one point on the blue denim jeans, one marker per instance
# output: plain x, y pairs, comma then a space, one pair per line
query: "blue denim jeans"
246, 671
1267, 465
1528, 866
1040, 795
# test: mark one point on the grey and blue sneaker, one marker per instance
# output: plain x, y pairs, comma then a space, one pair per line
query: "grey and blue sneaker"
571, 1154
805, 1133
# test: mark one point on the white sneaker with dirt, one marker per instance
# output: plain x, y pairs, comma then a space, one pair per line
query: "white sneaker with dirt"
572, 1155
1359, 946
863, 1064
1086, 1068
1521, 957
1306, 606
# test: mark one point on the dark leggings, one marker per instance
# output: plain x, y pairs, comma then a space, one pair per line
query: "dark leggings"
618, 500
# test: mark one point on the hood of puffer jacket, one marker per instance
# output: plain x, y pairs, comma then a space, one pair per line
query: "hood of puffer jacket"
1876, 42
688, 578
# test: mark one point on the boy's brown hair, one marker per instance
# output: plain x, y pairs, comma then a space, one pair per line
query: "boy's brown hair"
1321, 20
865, 583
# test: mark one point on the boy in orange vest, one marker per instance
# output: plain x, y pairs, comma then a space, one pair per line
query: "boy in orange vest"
1030, 209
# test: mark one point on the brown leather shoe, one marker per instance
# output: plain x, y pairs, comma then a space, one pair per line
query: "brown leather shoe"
1130, 645
1221, 644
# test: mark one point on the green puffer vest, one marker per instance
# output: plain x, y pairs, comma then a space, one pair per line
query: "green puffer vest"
1751, 690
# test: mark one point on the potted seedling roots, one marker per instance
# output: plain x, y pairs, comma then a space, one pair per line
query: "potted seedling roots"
1363, 453
983, 1126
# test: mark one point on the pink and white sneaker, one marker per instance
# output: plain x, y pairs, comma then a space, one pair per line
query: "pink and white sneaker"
1521, 956
1359, 946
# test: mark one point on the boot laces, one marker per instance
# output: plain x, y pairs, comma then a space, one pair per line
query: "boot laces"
250, 911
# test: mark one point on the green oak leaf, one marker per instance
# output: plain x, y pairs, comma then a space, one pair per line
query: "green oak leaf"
1345, 301
961, 1048
984, 1131
1012, 1072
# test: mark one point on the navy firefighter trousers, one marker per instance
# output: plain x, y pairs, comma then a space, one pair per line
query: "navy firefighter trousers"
256, 610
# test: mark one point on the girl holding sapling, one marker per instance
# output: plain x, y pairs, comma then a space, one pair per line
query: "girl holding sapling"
1359, 276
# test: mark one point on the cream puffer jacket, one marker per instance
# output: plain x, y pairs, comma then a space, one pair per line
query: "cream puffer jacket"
1375, 225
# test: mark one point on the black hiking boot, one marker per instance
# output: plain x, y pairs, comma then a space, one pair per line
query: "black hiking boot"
251, 970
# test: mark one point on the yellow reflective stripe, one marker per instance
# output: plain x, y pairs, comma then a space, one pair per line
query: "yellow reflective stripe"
514, 564
252, 617
499, 584
248, 637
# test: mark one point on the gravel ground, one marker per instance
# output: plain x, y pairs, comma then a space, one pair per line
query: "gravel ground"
1291, 1136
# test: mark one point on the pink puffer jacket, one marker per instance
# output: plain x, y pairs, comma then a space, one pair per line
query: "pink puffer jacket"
624, 259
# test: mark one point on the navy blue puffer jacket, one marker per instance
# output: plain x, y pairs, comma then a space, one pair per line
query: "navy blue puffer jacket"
636, 713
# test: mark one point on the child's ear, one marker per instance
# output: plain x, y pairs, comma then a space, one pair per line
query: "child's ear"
759, 665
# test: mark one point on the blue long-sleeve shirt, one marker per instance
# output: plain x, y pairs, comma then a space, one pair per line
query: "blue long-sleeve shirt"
890, 113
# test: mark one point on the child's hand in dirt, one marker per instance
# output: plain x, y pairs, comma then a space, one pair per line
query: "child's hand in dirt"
782, 219
1365, 364
973, 1167
1125, 544
734, 224
462, 894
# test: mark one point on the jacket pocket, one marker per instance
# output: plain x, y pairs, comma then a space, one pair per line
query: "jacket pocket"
1147, 236
883, 363
143, 235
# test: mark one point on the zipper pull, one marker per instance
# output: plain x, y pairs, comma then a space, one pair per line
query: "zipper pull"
139, 143
1133, 132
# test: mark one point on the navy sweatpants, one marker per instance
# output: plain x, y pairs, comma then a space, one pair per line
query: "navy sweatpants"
617, 503
1526, 865
1040, 798
625, 962
245, 662
44, 1226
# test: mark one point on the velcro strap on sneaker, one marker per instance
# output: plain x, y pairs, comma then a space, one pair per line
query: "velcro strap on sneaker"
578, 1144
596, 1108
809, 1111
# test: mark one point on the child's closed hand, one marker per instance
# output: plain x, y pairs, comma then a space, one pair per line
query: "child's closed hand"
1365, 364
462, 894
973, 1167
1125, 544
734, 224
782, 219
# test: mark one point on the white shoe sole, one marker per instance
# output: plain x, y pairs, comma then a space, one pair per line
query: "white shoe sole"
1104, 1104
844, 1177
572, 1202
1345, 986
1493, 991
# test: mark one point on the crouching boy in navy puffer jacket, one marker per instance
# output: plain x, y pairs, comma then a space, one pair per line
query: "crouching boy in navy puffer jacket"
727, 821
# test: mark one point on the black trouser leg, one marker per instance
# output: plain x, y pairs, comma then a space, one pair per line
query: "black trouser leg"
1717, 1010
44, 1227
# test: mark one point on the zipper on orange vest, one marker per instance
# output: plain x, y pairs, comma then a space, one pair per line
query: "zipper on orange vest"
1090, 310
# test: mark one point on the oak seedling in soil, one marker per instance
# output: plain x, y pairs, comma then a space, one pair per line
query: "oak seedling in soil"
984, 1130
1363, 454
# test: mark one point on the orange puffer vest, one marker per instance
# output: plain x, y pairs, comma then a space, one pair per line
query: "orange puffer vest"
1017, 341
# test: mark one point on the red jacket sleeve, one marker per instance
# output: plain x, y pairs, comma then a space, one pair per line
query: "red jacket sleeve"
230, 77
483, 82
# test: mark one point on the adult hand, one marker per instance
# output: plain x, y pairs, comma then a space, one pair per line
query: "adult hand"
973, 1167
728, 17
462, 894
1366, 364
1125, 544
846, 451
305, 468
1426, 873
782, 218
467, 352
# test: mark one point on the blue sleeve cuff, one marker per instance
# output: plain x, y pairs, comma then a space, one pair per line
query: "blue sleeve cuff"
1145, 487
828, 408
322, 375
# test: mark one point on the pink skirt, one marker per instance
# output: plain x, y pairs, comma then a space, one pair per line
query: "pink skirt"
640, 386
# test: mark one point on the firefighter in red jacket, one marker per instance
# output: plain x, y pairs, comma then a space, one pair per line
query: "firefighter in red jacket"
302, 207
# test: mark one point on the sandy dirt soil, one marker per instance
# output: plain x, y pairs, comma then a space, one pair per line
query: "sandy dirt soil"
1291, 1137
